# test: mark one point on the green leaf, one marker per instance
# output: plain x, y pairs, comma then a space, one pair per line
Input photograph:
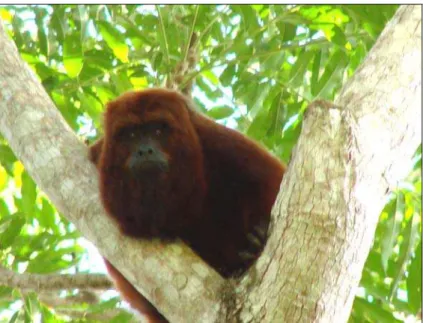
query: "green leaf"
121, 82
240, 47
7, 158
390, 236
287, 31
334, 67
47, 316
228, 74
43, 241
249, 17
47, 217
338, 36
373, 312
4, 210
204, 86
31, 59
407, 247
41, 32
57, 22
296, 76
315, 72
91, 105
289, 139
10, 228
105, 94
220, 112
67, 108
211, 77
263, 90
5, 291
162, 32
3, 178
123, 317
272, 63
15, 317
29, 194
98, 60
105, 305
414, 281
374, 261
50, 261
28, 307
294, 18
156, 60
84, 20
357, 56
276, 114
17, 24
373, 287
115, 40
72, 54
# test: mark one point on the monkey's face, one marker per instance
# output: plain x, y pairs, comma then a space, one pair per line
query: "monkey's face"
151, 167
146, 146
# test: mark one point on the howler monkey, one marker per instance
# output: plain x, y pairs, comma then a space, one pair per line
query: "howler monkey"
167, 171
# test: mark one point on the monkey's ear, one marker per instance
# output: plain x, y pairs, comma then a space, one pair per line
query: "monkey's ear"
95, 151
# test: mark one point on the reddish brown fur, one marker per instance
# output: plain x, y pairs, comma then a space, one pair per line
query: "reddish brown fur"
219, 190
131, 295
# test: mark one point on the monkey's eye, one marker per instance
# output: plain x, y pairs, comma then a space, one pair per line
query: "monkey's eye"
127, 133
160, 129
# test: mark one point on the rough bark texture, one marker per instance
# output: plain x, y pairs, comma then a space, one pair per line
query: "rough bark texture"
346, 159
323, 220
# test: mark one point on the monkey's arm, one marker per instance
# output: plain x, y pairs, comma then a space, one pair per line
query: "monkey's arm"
246, 177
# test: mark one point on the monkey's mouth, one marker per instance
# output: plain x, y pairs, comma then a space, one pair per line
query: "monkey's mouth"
153, 166
147, 166
147, 159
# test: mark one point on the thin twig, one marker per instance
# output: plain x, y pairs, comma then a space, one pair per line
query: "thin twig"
191, 33
164, 34
39, 282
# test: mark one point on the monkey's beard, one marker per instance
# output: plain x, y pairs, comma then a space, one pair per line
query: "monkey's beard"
150, 205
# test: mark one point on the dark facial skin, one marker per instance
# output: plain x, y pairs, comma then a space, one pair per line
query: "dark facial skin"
146, 143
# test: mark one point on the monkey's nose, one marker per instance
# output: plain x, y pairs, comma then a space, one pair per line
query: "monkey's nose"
146, 150
148, 157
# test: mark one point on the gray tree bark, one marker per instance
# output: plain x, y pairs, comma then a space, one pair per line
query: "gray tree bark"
323, 221
346, 159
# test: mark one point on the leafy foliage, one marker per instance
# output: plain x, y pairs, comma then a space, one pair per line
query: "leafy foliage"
259, 66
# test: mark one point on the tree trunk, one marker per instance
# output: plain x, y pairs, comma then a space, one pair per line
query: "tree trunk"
346, 159
323, 221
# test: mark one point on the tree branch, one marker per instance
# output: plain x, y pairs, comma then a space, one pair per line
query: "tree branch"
38, 282
103, 316
336, 186
54, 299
57, 161
184, 67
